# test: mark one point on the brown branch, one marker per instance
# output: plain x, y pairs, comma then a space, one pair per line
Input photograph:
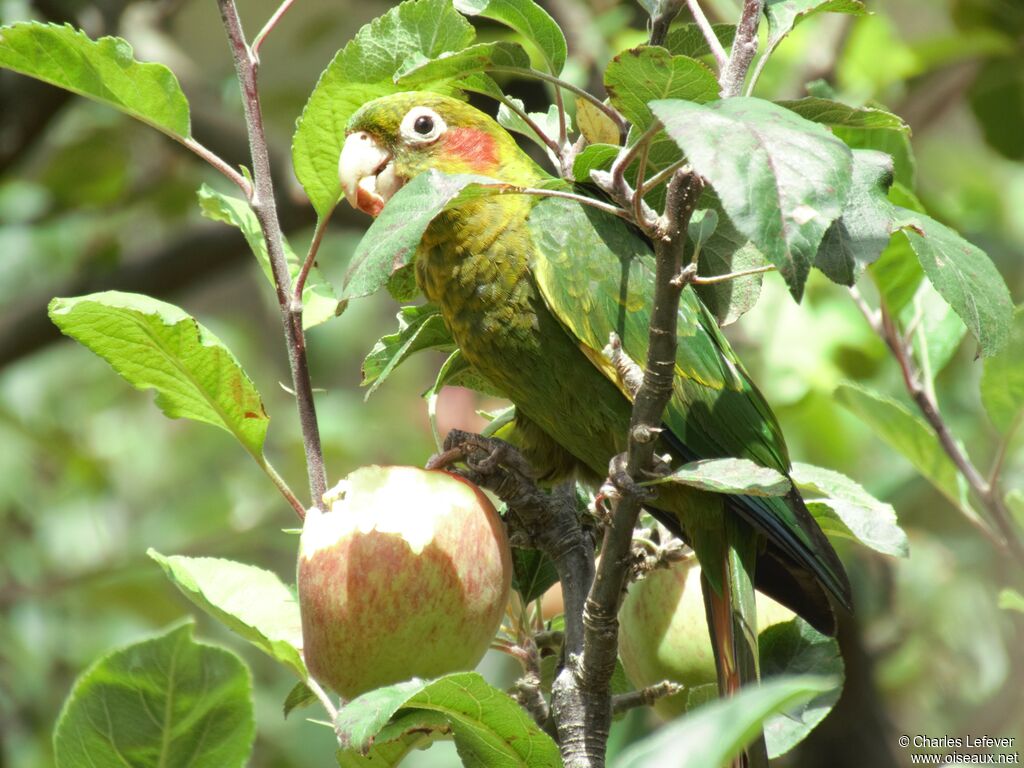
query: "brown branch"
986, 490
645, 697
265, 208
987, 493
310, 260
527, 691
581, 694
744, 47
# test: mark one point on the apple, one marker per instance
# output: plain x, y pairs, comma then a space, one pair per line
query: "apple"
663, 634
407, 575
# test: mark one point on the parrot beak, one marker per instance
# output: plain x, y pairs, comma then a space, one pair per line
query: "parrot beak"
367, 173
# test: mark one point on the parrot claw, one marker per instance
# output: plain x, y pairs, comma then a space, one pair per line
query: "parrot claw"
480, 454
661, 467
623, 483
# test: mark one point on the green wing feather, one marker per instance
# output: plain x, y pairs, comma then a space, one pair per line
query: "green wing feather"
596, 275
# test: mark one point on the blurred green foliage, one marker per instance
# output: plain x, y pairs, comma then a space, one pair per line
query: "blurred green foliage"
91, 474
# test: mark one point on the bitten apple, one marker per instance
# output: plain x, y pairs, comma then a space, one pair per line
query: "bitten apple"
407, 575
663, 634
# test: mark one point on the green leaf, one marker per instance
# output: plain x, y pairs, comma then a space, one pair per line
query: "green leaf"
298, 697
413, 730
319, 304
897, 274
102, 70
964, 276
489, 727
844, 509
248, 600
909, 436
714, 734
894, 143
419, 327
362, 71
781, 179
453, 64
596, 157
858, 237
938, 330
867, 127
457, 372
1002, 382
740, 476
154, 345
835, 113
689, 40
391, 241
162, 702
646, 73
533, 573
784, 15
724, 251
794, 647
529, 20
1011, 600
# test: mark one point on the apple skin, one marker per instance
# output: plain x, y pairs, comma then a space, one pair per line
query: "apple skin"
663, 632
407, 575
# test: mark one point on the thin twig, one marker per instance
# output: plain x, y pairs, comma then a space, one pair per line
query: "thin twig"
563, 134
744, 47
930, 410
712, 279
283, 487
269, 26
614, 181
664, 174
321, 694
221, 165
709, 33
548, 141
638, 194
307, 265
265, 208
527, 691
611, 112
512, 189
985, 490
645, 697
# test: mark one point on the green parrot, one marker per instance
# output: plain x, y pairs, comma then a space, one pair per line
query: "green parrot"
531, 289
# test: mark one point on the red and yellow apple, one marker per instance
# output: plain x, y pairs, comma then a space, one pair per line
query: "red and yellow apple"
406, 575
663, 633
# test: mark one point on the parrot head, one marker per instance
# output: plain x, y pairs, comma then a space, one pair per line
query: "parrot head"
394, 138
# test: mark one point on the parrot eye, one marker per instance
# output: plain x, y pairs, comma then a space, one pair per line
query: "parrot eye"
422, 125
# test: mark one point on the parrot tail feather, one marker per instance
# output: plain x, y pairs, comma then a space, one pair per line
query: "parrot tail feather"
732, 622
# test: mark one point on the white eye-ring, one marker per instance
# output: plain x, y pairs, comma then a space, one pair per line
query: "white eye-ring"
422, 125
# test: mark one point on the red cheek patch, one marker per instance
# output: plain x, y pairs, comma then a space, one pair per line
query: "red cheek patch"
474, 147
